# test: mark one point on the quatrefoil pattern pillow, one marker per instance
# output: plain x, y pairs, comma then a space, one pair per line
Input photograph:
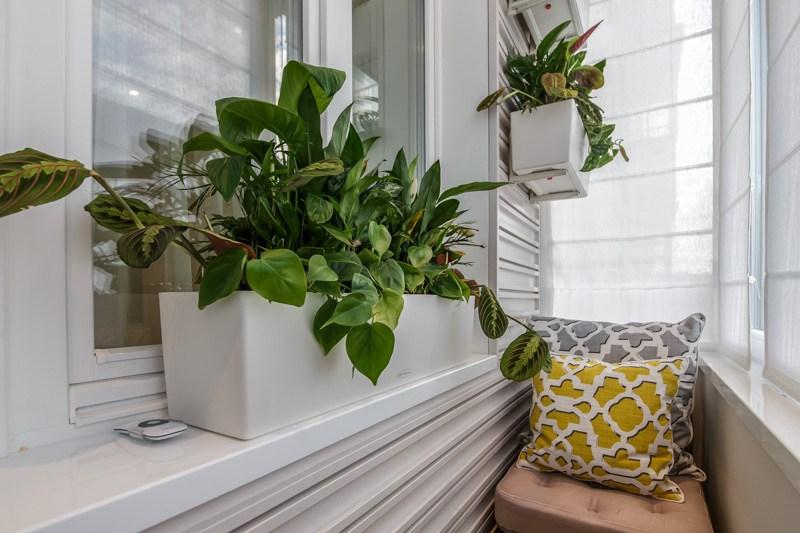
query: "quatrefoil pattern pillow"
638, 341
606, 422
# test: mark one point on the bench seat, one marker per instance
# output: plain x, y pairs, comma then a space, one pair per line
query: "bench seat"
527, 501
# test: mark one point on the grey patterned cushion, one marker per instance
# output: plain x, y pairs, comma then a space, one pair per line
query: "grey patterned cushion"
638, 341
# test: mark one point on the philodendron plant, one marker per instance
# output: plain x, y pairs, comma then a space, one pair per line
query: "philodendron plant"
309, 217
555, 72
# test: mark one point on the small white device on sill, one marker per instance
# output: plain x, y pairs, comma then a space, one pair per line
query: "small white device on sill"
153, 429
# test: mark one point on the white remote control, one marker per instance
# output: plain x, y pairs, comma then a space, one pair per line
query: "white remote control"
154, 429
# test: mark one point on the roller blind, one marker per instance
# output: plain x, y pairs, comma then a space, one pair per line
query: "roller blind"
641, 245
734, 179
782, 312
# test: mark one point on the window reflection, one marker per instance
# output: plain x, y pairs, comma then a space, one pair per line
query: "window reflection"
159, 65
389, 75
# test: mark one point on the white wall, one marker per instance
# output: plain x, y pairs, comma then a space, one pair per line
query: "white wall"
746, 490
34, 109
3, 255
463, 133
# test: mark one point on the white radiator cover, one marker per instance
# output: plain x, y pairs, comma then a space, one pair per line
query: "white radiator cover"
431, 468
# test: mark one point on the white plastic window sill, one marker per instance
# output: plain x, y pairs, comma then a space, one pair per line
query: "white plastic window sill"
101, 482
771, 415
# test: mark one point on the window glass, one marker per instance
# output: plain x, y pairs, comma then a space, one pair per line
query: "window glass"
758, 83
389, 75
159, 65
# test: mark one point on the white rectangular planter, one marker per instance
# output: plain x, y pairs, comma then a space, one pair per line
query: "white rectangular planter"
548, 147
245, 367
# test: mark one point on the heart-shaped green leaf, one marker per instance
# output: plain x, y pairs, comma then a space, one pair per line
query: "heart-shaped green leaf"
278, 276
370, 347
345, 264
420, 255
413, 277
389, 275
363, 285
388, 309
318, 270
368, 257
447, 286
222, 276
328, 335
352, 310
379, 237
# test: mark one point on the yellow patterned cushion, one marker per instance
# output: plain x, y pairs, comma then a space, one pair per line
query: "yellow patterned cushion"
606, 422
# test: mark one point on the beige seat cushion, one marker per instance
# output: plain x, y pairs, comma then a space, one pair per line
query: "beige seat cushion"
545, 502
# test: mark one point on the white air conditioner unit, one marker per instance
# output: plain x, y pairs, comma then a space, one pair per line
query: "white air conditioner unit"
541, 16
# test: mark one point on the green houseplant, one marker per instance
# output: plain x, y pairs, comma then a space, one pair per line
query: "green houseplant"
555, 72
312, 217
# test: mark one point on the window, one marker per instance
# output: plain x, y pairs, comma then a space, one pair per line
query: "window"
781, 195
640, 246
758, 71
388, 76
158, 68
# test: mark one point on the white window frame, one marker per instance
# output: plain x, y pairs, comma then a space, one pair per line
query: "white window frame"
759, 65
115, 375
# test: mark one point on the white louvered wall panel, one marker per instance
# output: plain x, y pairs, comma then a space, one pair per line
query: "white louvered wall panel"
518, 232
431, 468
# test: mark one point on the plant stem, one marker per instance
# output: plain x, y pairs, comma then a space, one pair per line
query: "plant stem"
103, 183
523, 324
186, 245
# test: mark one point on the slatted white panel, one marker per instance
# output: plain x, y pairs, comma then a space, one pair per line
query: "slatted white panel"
518, 234
431, 468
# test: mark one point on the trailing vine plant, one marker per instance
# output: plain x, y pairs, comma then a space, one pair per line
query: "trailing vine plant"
554, 72
309, 217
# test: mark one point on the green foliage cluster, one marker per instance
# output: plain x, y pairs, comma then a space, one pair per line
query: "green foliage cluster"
555, 72
310, 217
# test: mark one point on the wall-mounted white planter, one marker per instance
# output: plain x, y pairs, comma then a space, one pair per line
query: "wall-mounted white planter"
548, 147
245, 367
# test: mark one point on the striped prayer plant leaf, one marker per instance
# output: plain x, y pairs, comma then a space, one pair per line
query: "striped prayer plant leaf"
142, 247
491, 316
525, 357
29, 178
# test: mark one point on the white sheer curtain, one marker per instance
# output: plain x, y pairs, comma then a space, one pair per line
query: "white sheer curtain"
782, 317
641, 245
734, 179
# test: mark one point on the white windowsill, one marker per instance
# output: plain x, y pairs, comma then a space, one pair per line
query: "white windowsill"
772, 416
107, 481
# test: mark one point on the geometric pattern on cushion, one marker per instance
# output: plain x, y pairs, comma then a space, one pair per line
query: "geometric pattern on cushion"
608, 423
638, 341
